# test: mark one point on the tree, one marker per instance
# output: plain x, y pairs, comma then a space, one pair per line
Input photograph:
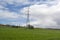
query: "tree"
30, 27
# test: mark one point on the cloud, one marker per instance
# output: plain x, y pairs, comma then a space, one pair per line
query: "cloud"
11, 18
26, 2
1, 7
45, 16
9, 15
15, 1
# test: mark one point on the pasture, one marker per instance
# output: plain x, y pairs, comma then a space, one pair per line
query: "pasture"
28, 34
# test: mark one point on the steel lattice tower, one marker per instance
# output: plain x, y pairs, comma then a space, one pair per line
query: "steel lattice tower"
28, 21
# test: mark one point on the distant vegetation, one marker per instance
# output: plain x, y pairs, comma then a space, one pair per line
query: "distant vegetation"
30, 27
13, 26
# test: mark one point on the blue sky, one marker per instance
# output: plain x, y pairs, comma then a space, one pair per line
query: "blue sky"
43, 13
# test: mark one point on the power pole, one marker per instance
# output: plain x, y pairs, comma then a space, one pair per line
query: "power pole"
28, 21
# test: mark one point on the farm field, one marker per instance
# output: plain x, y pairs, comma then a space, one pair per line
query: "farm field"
28, 34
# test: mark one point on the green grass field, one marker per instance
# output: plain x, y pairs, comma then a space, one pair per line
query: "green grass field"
28, 34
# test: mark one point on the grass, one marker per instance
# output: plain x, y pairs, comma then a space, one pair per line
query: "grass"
28, 34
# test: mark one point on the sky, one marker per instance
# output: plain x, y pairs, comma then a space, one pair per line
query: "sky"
43, 13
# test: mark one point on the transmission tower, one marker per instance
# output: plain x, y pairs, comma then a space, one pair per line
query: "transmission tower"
28, 21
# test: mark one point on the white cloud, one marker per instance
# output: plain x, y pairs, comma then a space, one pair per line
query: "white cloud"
16, 1
28, 2
44, 15
8, 15
1, 7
